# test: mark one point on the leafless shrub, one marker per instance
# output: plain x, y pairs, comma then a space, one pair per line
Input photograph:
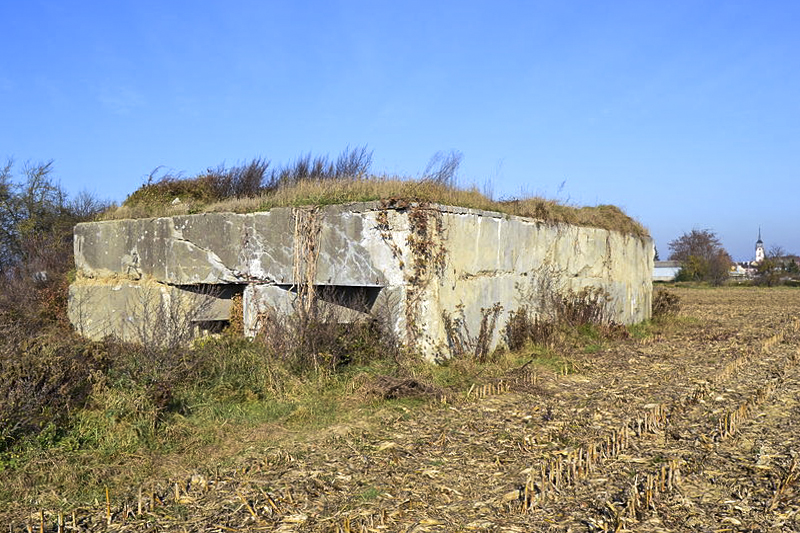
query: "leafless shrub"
442, 168
241, 181
214, 185
44, 378
461, 343
486, 332
351, 163
666, 303
549, 307
523, 327
355, 162
165, 321
166, 317
87, 206
550, 298
36, 221
45, 368
455, 330
34, 292
326, 336
36, 207
586, 306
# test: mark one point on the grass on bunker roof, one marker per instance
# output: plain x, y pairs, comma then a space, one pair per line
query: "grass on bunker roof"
250, 188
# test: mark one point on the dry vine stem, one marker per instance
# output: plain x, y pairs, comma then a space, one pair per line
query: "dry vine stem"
789, 478
307, 227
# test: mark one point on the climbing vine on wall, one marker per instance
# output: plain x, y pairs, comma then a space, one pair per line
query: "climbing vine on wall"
306, 253
428, 258
426, 228
428, 255
384, 229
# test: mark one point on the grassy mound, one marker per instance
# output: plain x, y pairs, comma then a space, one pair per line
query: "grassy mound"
253, 187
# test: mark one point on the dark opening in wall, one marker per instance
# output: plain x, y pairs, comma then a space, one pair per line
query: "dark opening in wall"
222, 292
356, 297
216, 302
210, 327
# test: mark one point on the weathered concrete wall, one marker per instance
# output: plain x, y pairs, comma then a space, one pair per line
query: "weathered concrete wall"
230, 248
499, 259
413, 265
143, 311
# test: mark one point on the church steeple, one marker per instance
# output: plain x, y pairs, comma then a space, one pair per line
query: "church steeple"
759, 247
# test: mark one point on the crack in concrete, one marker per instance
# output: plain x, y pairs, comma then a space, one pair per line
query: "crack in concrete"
218, 269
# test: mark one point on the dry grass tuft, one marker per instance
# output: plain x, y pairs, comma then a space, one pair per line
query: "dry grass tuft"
665, 303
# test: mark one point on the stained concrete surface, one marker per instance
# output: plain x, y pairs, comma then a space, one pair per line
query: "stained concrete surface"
419, 263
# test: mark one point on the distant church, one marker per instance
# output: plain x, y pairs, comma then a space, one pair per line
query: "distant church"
748, 269
759, 249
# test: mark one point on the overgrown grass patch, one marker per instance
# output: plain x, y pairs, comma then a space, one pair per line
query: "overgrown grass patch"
122, 438
549, 361
642, 330
148, 413
252, 187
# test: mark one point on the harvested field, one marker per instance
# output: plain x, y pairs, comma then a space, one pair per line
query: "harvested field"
690, 430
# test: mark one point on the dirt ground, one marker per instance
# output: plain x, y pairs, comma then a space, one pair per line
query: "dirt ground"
695, 430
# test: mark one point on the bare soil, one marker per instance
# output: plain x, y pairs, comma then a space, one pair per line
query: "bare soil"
692, 430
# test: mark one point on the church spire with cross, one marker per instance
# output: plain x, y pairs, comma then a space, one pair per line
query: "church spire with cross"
759, 247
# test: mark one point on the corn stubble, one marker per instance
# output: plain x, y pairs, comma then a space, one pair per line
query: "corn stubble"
687, 430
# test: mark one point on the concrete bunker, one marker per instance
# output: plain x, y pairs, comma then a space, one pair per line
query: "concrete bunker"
412, 265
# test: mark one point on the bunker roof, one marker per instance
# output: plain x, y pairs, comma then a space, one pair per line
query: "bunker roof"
171, 196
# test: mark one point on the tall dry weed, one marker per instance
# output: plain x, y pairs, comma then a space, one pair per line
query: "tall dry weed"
549, 310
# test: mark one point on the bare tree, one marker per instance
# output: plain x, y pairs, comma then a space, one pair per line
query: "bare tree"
777, 252
36, 221
86, 205
29, 209
702, 257
772, 268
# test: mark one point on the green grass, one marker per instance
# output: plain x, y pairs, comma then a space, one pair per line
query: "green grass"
556, 363
369, 494
593, 348
122, 439
642, 330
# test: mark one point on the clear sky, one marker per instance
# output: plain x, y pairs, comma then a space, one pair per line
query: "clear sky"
684, 113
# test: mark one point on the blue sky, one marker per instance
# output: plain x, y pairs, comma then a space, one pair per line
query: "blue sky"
684, 113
